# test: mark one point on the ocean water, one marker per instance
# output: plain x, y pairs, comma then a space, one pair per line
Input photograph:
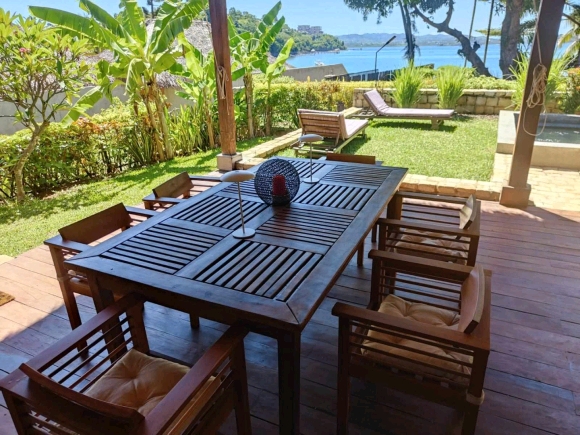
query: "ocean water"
363, 59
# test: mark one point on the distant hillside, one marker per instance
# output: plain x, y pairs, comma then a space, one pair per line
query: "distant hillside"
378, 39
303, 43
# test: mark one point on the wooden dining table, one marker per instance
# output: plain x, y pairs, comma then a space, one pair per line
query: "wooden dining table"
185, 258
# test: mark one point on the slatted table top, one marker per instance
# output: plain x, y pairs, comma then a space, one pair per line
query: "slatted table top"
279, 276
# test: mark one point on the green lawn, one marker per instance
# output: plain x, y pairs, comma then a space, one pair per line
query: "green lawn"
461, 148
25, 226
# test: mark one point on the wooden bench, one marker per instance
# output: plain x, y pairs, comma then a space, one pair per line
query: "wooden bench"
330, 125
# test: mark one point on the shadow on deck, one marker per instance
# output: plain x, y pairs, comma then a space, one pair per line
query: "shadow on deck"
533, 378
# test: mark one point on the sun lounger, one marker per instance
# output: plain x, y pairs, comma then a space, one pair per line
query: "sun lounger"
383, 110
330, 125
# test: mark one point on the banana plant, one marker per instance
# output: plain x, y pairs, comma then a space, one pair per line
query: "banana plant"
273, 71
139, 55
250, 52
199, 85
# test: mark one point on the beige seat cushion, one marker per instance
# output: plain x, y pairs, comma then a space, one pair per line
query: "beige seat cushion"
353, 126
140, 382
421, 244
427, 314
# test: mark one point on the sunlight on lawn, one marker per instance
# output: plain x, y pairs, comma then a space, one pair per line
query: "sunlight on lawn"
461, 148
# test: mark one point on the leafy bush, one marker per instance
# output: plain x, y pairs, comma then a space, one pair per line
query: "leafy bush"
408, 83
88, 148
571, 100
286, 99
451, 81
556, 79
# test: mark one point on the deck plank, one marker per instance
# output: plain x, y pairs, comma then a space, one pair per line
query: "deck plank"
533, 379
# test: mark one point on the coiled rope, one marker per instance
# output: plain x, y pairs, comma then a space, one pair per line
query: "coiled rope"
537, 96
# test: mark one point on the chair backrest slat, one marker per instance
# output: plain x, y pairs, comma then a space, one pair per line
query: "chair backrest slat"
98, 225
351, 158
326, 124
472, 300
174, 187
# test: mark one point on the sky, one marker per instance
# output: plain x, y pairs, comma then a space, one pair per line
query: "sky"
333, 15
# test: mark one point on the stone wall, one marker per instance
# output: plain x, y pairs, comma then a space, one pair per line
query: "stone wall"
473, 101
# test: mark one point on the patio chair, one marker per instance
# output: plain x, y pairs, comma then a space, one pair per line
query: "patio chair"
176, 189
329, 125
426, 332
115, 385
432, 226
382, 110
76, 238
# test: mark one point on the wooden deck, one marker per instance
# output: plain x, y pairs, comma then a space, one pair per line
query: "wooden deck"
533, 378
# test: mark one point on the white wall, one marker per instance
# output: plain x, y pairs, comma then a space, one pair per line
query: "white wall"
8, 126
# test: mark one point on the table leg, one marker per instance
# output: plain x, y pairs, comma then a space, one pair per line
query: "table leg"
102, 298
289, 382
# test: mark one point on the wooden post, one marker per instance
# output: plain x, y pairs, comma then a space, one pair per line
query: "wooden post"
221, 46
517, 192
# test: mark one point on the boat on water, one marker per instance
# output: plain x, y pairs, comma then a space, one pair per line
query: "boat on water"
319, 63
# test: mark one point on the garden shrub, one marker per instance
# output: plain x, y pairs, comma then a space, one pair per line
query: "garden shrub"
571, 99
88, 148
450, 82
408, 84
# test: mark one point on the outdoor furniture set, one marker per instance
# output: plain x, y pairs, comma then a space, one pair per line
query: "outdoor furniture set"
424, 331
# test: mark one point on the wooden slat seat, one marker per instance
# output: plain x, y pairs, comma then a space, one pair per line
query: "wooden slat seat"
329, 125
426, 332
116, 386
178, 188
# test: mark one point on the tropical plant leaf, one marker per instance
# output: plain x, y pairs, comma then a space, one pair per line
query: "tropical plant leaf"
276, 68
70, 23
88, 100
268, 19
134, 20
103, 17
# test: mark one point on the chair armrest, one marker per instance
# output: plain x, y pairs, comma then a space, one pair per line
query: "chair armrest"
413, 265
191, 384
431, 197
141, 212
409, 327
205, 178
162, 199
434, 228
58, 242
83, 332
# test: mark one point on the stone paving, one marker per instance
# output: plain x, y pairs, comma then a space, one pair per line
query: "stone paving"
552, 188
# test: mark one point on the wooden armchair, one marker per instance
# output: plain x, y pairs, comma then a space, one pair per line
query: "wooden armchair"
438, 227
114, 386
76, 238
426, 332
178, 188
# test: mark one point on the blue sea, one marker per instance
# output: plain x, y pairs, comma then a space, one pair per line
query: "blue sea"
363, 59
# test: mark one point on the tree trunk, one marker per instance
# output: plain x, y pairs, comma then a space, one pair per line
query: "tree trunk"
466, 48
249, 89
167, 146
155, 130
409, 37
510, 36
19, 168
268, 112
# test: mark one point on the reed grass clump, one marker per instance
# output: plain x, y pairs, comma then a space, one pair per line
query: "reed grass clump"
408, 83
451, 82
